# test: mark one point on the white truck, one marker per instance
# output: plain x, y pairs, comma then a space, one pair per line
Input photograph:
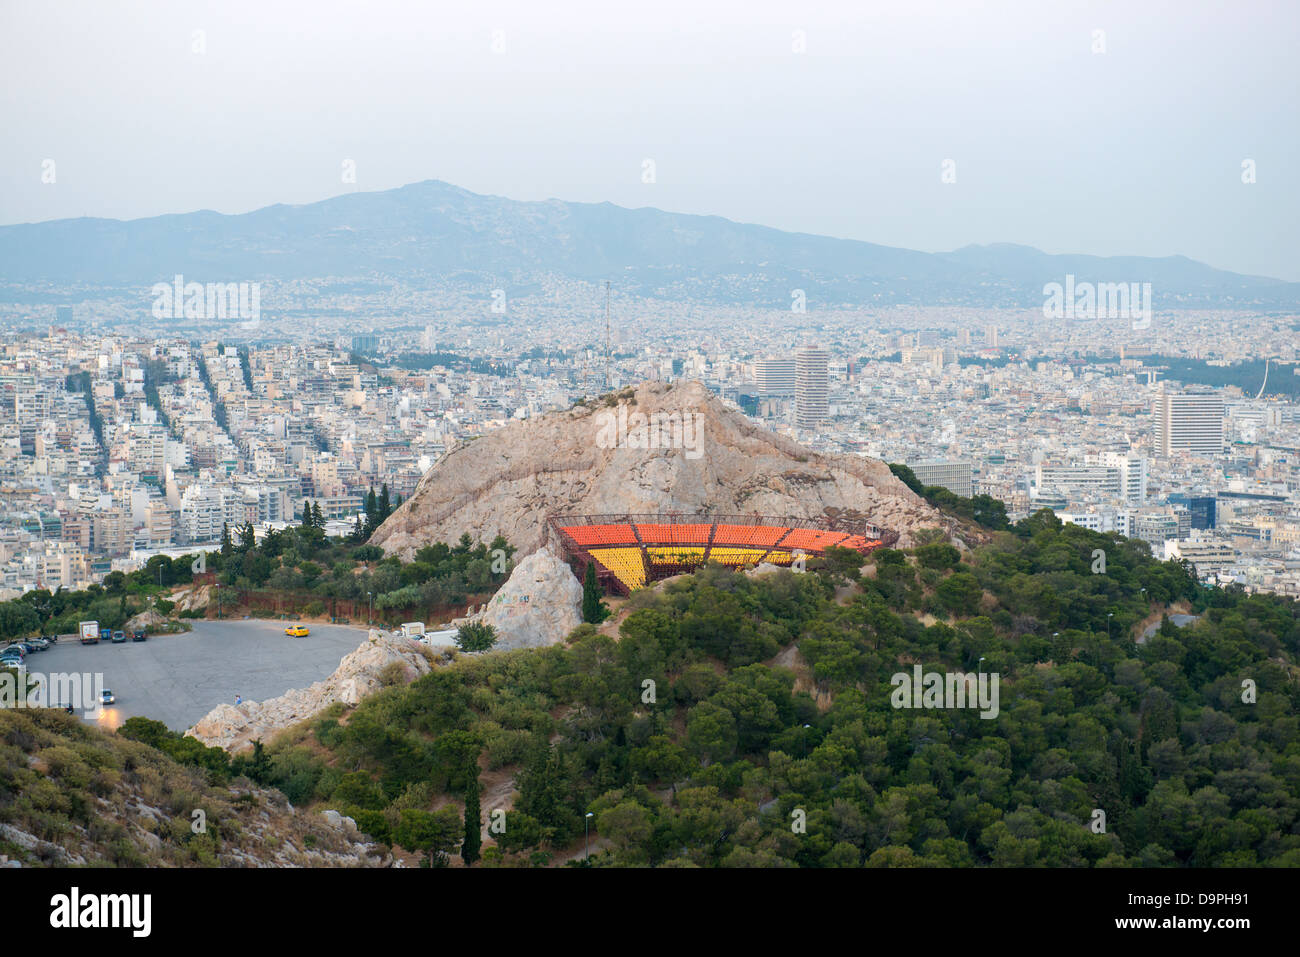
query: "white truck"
90, 632
413, 630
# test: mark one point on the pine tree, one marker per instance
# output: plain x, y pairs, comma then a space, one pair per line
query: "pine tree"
473, 821
317, 519
385, 507
306, 513
247, 537
593, 610
227, 546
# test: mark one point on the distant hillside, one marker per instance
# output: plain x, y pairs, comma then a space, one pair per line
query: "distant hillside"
432, 233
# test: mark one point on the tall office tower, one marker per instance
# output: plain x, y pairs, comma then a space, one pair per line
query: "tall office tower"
1189, 422
953, 474
774, 377
810, 404
963, 336
991, 337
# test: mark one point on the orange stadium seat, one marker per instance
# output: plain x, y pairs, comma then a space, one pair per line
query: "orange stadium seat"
811, 538
751, 535
589, 535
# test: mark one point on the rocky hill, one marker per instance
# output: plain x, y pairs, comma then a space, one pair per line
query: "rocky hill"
585, 460
76, 796
382, 659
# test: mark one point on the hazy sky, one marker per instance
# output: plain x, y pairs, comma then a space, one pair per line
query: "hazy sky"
1137, 150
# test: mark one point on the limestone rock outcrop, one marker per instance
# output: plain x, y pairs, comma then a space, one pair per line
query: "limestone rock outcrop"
508, 481
538, 605
383, 658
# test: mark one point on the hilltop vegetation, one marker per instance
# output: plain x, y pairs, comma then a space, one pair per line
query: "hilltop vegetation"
742, 720
720, 759
73, 795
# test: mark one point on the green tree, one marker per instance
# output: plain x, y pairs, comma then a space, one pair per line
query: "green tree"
593, 609
473, 840
475, 636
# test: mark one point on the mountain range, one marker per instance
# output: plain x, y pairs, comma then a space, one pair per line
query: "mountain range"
432, 234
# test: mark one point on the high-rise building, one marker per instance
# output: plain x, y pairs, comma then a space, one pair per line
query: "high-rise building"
1110, 477
991, 337
952, 474
775, 377
1189, 422
810, 399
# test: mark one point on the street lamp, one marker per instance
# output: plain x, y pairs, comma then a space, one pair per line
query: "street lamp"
371, 618
585, 843
217, 586
977, 665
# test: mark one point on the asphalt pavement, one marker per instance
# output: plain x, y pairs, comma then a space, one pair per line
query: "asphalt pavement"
177, 679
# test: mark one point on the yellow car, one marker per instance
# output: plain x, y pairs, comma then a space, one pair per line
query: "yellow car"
297, 631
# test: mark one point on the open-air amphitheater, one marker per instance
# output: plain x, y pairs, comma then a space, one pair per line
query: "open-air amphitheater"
630, 551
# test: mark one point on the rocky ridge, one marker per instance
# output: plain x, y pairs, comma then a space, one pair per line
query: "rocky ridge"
508, 481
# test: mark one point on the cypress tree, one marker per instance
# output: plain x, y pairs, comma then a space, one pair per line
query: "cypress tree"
592, 610
372, 511
473, 821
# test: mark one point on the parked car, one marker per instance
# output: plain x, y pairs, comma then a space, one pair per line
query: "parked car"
38, 644
297, 631
21, 646
108, 697
10, 658
119, 637
139, 636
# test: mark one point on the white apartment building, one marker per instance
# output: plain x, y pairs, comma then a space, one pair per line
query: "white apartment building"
811, 387
775, 377
1189, 422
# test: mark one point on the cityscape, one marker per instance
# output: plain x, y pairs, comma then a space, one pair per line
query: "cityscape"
479, 441
118, 447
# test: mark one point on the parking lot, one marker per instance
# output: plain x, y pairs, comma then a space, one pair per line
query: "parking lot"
177, 679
